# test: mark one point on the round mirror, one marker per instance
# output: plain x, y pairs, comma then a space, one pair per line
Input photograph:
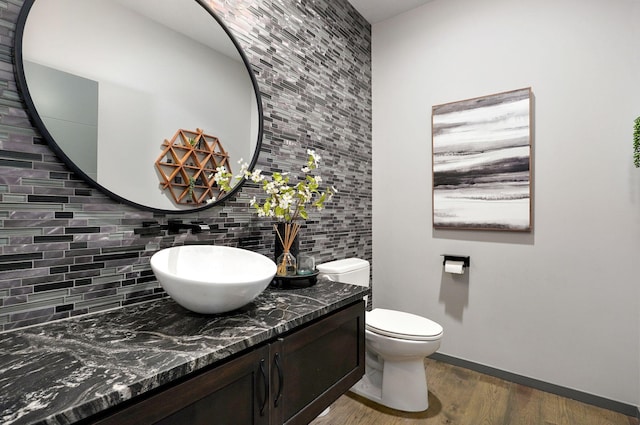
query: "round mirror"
143, 99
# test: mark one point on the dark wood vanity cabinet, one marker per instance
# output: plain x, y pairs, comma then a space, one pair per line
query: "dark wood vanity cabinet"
320, 363
287, 381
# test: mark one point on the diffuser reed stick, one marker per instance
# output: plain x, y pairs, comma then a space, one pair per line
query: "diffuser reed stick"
290, 232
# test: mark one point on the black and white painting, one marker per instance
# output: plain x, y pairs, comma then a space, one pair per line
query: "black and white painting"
482, 162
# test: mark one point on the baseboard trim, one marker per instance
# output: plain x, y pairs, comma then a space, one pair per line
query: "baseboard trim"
605, 403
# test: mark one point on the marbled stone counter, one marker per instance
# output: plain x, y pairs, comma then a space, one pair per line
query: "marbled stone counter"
65, 371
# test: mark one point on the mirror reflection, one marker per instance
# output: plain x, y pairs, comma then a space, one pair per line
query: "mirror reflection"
114, 81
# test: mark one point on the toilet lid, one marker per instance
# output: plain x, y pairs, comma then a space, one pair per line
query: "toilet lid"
398, 324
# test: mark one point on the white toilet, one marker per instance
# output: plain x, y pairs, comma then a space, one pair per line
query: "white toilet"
396, 345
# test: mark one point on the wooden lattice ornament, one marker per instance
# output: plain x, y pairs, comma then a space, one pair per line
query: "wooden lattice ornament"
187, 164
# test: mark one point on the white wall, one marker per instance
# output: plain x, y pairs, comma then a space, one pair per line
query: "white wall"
559, 304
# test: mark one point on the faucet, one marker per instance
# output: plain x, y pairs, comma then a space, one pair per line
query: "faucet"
174, 226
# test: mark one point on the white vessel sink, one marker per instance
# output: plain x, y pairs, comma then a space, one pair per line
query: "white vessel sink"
212, 279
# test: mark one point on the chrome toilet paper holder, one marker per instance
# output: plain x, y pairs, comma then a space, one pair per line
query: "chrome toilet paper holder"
465, 259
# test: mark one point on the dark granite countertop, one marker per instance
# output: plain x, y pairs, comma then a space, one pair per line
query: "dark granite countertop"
64, 371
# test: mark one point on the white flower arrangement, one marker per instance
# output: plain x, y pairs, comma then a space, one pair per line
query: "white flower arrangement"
285, 202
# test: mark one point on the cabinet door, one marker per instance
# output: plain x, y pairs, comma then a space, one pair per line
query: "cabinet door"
319, 363
235, 393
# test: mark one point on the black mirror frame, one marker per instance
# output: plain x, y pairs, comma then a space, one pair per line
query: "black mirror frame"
39, 124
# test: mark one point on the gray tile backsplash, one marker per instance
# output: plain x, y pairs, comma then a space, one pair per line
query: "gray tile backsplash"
67, 249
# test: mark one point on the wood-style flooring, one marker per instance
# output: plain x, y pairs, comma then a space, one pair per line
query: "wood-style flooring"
459, 396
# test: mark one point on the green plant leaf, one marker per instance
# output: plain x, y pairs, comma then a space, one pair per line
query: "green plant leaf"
636, 143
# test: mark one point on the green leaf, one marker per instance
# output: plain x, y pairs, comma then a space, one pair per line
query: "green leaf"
636, 143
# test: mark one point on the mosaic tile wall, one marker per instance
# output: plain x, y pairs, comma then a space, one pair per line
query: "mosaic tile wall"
66, 249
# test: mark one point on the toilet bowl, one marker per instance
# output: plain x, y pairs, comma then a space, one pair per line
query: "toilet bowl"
396, 345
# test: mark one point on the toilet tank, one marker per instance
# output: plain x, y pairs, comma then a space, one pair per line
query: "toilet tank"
349, 270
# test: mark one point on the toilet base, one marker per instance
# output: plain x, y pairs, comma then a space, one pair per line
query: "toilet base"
365, 388
401, 385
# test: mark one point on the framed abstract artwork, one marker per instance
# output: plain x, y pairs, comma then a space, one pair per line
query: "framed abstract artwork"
482, 162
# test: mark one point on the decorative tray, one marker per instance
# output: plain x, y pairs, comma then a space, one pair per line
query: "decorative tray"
297, 281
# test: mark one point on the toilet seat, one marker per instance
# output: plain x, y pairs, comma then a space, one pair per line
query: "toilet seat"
402, 325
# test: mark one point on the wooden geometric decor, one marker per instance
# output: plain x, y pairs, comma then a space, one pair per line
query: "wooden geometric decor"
187, 165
